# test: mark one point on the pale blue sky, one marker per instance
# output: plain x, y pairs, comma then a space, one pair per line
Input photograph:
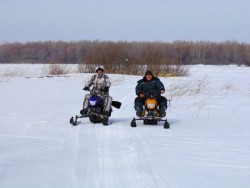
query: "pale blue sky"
126, 20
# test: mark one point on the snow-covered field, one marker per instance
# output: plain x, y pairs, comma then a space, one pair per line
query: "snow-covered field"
207, 145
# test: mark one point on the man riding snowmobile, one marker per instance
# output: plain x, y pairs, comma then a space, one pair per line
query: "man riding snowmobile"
101, 85
150, 84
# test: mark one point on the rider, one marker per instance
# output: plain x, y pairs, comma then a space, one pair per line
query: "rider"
150, 84
101, 85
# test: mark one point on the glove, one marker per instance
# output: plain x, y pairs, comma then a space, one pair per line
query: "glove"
141, 94
106, 89
86, 88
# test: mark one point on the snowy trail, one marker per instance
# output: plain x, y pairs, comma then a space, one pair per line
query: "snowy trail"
206, 146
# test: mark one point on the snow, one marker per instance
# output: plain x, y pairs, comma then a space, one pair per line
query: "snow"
207, 145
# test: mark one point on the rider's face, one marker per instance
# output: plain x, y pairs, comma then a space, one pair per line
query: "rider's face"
148, 77
99, 72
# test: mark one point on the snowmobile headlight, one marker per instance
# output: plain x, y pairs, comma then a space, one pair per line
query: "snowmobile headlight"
92, 103
151, 105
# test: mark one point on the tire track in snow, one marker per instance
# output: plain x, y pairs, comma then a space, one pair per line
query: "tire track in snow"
149, 178
73, 149
116, 159
83, 153
161, 169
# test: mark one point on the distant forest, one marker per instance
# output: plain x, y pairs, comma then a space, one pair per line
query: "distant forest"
124, 54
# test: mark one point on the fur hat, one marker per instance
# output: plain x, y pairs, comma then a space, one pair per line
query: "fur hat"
149, 72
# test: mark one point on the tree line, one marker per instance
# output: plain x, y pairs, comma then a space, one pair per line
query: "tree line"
120, 56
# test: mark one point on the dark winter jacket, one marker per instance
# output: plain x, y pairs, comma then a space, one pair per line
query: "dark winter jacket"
153, 86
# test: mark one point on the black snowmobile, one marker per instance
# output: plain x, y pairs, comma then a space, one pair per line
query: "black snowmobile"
151, 114
95, 111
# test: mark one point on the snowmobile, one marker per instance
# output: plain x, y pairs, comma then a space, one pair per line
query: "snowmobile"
94, 111
151, 114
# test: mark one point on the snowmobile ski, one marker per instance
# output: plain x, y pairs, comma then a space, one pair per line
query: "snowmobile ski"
150, 121
74, 122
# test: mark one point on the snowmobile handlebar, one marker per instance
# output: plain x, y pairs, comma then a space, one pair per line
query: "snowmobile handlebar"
86, 89
152, 95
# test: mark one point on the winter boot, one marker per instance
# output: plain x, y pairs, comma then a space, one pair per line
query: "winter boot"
83, 111
162, 112
139, 113
105, 120
105, 113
